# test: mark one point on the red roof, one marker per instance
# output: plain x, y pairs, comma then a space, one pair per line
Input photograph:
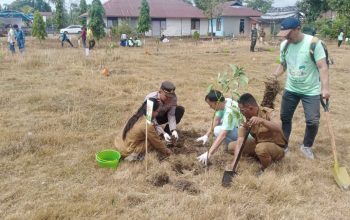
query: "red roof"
238, 11
158, 9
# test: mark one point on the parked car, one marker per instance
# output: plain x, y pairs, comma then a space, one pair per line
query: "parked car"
72, 29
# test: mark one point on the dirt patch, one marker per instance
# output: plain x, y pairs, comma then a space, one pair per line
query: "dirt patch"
159, 179
187, 143
180, 165
185, 185
272, 88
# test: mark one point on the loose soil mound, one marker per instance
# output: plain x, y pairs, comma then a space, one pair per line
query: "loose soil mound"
272, 88
185, 185
180, 165
159, 179
187, 143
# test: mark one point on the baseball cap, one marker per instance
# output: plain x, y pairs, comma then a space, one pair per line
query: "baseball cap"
168, 88
287, 25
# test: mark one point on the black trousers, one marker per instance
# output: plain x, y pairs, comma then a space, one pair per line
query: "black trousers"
67, 41
179, 112
339, 42
252, 45
91, 44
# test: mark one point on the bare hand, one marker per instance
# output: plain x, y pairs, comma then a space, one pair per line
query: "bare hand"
255, 121
325, 94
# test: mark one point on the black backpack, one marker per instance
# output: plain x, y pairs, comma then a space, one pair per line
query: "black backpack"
312, 51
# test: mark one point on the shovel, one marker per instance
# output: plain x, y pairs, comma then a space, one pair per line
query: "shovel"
340, 174
229, 174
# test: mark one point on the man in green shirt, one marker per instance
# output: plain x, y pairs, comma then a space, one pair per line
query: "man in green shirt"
306, 80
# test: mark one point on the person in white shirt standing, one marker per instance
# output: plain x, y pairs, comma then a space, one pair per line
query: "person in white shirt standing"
11, 39
340, 38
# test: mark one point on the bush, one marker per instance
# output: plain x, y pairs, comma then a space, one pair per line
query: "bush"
330, 29
195, 36
123, 28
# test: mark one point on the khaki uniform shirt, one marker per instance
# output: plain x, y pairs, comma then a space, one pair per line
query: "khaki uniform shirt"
165, 109
261, 133
135, 140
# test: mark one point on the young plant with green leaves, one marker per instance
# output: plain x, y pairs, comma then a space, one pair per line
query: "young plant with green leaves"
39, 27
231, 82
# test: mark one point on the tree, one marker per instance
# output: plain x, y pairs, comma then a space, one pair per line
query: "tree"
144, 23
24, 5
83, 9
0, 8
96, 23
260, 5
59, 14
211, 8
342, 7
39, 26
312, 8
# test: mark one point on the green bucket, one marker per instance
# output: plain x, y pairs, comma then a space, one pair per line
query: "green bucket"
108, 158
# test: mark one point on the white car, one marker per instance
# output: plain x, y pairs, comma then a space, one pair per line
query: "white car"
72, 29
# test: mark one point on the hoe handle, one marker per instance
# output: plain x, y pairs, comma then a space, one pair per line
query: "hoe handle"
325, 106
241, 150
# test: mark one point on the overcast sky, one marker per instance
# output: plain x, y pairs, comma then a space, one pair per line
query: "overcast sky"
277, 3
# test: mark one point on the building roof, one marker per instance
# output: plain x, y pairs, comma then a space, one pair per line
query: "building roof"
14, 14
233, 8
158, 9
47, 14
280, 13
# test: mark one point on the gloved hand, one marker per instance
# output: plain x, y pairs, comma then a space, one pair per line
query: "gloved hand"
167, 137
203, 158
204, 138
174, 134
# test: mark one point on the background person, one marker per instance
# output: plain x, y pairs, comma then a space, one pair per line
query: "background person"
253, 38
20, 37
226, 129
262, 36
169, 112
305, 81
90, 38
340, 38
83, 36
134, 135
65, 38
11, 39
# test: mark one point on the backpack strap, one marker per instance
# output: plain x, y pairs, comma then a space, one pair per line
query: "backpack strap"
314, 41
284, 53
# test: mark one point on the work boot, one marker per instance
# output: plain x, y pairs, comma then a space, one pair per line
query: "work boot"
227, 178
307, 151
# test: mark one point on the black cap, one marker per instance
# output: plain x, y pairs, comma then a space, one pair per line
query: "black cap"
169, 88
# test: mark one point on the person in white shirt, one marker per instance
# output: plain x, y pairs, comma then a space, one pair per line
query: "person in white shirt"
11, 39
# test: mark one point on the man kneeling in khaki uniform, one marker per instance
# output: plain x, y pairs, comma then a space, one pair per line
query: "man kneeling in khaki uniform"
266, 129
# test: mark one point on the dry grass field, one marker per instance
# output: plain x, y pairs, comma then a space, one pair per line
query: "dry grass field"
57, 111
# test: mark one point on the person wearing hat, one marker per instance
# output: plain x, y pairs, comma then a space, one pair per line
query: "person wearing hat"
306, 80
169, 112
133, 146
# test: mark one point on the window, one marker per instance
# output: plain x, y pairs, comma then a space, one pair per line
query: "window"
194, 24
241, 26
163, 25
111, 22
218, 24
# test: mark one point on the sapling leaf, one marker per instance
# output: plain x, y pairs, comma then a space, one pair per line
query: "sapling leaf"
210, 87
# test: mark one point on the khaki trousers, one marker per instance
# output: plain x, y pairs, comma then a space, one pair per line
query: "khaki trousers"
267, 152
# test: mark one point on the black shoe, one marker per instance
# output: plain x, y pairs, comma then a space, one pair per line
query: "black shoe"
227, 178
